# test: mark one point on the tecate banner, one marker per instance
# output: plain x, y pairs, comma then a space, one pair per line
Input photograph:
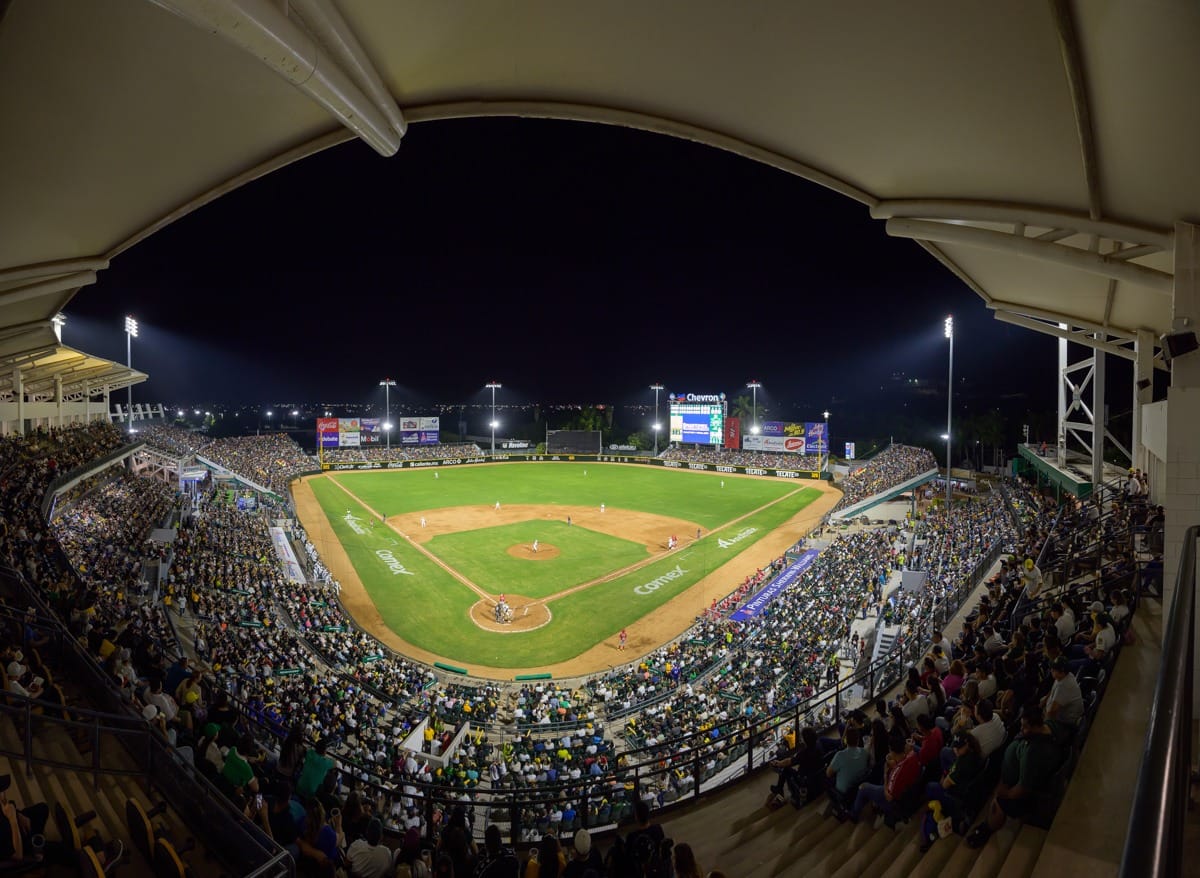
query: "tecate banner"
788, 444
814, 434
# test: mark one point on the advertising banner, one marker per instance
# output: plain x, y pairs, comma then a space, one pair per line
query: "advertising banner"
371, 431
773, 428
426, 437
733, 432
410, 437
410, 424
781, 444
329, 440
775, 587
327, 425
849, 451
815, 439
348, 425
429, 424
349, 440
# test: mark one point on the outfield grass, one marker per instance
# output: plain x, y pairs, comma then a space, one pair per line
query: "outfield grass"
691, 496
482, 556
428, 607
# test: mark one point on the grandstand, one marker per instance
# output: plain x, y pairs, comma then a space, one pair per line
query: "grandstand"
1062, 202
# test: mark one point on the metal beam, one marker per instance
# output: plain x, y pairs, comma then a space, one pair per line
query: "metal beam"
1031, 215
1081, 260
1057, 317
52, 269
1068, 43
1051, 329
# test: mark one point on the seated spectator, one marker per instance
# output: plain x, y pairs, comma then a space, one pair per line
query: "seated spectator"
498, 861
848, 768
583, 857
799, 771
1063, 706
1029, 768
901, 776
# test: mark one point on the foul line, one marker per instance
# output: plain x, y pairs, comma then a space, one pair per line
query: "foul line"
432, 557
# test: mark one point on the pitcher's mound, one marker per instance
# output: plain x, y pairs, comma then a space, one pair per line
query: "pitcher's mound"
528, 614
525, 552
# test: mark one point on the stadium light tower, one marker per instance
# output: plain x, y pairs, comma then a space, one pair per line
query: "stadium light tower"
493, 386
656, 387
131, 331
948, 327
753, 387
387, 384
827, 442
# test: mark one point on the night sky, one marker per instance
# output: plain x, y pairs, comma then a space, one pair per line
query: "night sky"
571, 262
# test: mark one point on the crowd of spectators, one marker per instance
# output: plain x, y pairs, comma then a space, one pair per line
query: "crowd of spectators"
369, 453
289, 655
733, 457
890, 467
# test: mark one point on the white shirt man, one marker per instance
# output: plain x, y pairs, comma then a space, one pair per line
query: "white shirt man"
1106, 638
990, 734
1065, 701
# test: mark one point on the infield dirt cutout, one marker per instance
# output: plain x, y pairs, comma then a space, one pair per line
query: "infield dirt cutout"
524, 551
655, 628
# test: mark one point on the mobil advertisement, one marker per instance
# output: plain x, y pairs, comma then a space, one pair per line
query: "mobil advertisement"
815, 439
371, 431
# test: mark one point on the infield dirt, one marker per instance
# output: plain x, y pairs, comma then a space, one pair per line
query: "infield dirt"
655, 628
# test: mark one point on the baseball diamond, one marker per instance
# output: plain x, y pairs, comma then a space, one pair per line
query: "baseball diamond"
428, 577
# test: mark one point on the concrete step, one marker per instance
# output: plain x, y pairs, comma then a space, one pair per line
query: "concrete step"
1023, 855
993, 854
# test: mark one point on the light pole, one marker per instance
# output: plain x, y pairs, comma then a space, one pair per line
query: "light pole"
948, 326
131, 331
493, 386
656, 387
387, 384
753, 387
827, 443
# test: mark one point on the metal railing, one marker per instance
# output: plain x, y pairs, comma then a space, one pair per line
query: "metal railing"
1154, 841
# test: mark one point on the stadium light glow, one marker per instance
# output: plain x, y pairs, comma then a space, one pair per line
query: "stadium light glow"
58, 321
179, 413
753, 387
656, 387
197, 411
948, 328
387, 384
493, 386
131, 331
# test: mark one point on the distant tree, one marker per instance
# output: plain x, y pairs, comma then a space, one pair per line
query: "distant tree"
640, 440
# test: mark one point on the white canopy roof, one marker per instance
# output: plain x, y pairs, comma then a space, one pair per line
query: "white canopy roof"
1041, 149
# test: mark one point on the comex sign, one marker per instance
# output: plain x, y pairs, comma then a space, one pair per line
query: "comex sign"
655, 584
391, 562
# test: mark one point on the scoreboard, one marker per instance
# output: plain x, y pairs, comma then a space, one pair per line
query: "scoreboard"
698, 418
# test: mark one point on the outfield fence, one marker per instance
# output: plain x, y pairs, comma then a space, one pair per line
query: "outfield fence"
581, 458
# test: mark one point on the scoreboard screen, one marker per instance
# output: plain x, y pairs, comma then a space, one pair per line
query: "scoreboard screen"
698, 418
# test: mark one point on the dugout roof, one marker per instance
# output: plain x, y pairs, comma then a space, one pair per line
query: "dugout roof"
1040, 149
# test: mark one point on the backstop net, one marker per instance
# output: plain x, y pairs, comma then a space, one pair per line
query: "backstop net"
574, 442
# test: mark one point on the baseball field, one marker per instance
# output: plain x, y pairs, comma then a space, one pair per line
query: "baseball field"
578, 551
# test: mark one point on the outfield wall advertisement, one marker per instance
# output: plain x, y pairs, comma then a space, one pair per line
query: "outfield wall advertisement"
357, 432
600, 458
778, 444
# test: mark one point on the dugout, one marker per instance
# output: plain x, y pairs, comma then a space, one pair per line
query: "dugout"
574, 442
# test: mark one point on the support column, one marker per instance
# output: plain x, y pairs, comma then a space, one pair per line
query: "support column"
58, 400
1099, 418
1062, 399
1181, 502
19, 396
1143, 370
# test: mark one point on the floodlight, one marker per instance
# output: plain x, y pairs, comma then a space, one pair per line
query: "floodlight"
948, 327
131, 327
